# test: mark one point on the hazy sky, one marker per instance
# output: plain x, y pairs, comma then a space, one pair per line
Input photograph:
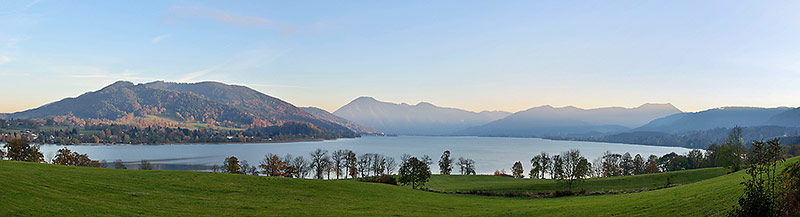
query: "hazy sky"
481, 55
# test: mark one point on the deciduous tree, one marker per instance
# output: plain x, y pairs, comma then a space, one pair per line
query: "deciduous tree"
414, 172
119, 165
338, 159
319, 159
575, 168
611, 164
272, 165
445, 163
20, 150
466, 166
639, 165
145, 165
231, 165
517, 171
763, 188
652, 164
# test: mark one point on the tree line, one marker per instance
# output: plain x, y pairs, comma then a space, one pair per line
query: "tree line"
321, 164
21, 150
346, 164
51, 132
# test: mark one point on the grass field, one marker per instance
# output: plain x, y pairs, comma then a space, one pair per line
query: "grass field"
458, 183
39, 189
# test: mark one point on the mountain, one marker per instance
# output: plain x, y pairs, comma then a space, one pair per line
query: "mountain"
420, 119
211, 103
788, 118
325, 115
571, 121
699, 138
725, 117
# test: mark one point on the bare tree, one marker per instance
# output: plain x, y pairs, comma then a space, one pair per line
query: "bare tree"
301, 165
349, 163
427, 160
328, 164
364, 164
466, 166
318, 162
597, 167
248, 169
405, 157
391, 165
338, 160
378, 164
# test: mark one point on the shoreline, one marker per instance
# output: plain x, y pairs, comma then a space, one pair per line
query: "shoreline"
319, 140
198, 143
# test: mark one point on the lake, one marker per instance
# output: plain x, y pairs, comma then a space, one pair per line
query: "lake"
489, 153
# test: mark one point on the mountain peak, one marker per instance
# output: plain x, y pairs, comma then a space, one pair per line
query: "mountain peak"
365, 99
119, 84
425, 104
664, 106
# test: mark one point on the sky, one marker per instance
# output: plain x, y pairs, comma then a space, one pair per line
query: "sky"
474, 55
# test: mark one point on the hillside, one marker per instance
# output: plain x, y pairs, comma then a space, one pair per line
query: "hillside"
571, 121
210, 103
789, 118
355, 127
700, 139
420, 119
725, 117
66, 191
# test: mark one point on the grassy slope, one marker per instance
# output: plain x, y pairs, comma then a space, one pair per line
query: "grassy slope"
28, 188
507, 184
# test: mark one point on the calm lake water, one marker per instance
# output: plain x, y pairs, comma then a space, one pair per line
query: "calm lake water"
489, 153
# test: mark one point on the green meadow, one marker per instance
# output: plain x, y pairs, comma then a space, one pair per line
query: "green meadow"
42, 189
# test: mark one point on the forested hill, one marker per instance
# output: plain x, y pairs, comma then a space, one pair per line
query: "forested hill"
208, 104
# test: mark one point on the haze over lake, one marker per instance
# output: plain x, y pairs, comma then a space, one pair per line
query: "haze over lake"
489, 153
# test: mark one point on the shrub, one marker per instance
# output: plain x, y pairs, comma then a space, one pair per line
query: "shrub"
385, 179
561, 193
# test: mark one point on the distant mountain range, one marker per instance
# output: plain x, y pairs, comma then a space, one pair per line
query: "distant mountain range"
420, 119
325, 115
725, 117
697, 138
699, 129
211, 103
216, 104
545, 121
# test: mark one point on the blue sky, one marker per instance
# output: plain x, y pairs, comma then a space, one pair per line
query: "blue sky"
476, 55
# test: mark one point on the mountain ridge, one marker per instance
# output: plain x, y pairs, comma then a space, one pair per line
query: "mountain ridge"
423, 118
211, 103
546, 120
